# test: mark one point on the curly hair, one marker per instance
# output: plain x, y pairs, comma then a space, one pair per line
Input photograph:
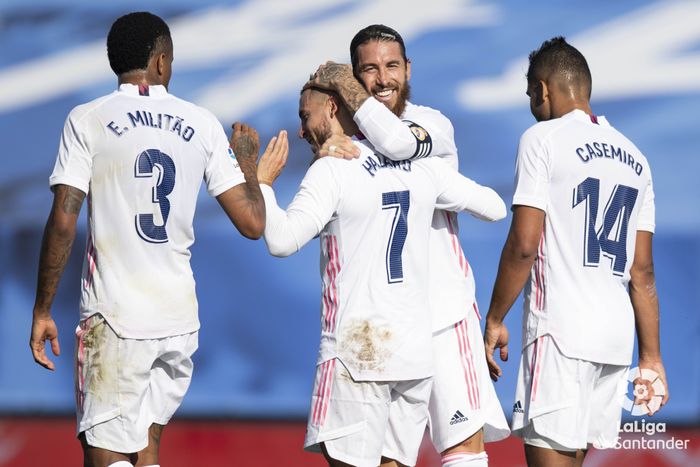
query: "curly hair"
556, 56
133, 39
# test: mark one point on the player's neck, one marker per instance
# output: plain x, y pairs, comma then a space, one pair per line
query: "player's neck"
139, 78
569, 106
347, 124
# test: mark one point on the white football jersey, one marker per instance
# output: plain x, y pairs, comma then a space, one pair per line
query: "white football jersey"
595, 188
452, 286
140, 154
374, 217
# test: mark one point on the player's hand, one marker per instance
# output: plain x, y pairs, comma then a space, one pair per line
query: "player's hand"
652, 373
331, 76
245, 143
44, 329
273, 159
495, 337
340, 146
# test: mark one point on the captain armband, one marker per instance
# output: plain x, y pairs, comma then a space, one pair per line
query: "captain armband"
424, 143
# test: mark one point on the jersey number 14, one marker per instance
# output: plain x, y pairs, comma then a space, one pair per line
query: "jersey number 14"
611, 237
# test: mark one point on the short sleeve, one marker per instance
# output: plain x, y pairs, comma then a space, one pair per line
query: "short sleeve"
532, 172
222, 171
647, 213
74, 162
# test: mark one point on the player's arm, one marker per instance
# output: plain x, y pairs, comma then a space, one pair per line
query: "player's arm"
459, 193
56, 246
391, 136
310, 210
645, 302
244, 203
517, 258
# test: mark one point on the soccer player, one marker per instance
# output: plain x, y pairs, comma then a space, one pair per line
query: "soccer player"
464, 409
373, 217
139, 154
583, 219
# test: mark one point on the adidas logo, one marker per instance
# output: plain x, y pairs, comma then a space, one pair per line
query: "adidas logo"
458, 417
518, 407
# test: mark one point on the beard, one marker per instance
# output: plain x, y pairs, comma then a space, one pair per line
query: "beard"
320, 135
404, 96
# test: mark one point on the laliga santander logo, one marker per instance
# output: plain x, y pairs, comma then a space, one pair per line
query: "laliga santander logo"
648, 392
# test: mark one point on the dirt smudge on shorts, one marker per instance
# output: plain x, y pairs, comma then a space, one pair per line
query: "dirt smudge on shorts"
100, 377
366, 345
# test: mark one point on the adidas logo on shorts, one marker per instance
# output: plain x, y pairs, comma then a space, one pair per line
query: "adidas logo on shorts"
458, 417
518, 407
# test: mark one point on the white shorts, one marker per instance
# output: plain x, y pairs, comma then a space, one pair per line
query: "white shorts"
122, 386
351, 418
463, 399
565, 403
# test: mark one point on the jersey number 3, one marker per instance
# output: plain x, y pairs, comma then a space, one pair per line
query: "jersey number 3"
611, 237
149, 163
399, 201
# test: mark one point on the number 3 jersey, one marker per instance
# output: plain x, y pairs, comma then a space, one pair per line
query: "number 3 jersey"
373, 216
140, 154
595, 188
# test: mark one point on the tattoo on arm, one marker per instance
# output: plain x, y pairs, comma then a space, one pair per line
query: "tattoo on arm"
340, 77
246, 149
56, 244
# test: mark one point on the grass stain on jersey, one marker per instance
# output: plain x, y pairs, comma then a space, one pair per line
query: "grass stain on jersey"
367, 345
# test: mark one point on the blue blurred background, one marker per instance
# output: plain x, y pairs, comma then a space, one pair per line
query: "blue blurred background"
246, 61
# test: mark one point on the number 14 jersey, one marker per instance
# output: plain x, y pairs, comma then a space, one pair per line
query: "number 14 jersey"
595, 188
140, 154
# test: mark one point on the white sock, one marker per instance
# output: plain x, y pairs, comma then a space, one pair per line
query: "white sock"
465, 459
121, 464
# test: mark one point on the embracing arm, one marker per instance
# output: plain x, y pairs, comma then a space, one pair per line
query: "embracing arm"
244, 203
459, 193
56, 246
517, 258
645, 302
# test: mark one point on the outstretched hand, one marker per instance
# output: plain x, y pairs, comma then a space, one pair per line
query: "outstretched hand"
273, 159
340, 146
245, 143
495, 337
44, 329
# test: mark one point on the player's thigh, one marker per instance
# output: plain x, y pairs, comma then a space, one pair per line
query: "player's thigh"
408, 415
346, 417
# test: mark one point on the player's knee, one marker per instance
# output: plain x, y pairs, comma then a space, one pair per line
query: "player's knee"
465, 459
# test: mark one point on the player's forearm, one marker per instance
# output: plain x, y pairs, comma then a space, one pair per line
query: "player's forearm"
285, 231
352, 93
513, 271
254, 204
387, 133
56, 246
645, 303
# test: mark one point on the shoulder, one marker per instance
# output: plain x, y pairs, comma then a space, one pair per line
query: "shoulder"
205, 114
423, 113
539, 133
79, 112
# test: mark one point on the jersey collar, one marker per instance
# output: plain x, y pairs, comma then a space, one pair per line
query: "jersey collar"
153, 90
580, 115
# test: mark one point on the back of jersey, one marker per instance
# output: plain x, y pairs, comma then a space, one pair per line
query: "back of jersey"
595, 188
374, 261
141, 155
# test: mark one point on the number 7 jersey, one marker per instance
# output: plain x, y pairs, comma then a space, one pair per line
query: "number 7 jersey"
140, 154
595, 188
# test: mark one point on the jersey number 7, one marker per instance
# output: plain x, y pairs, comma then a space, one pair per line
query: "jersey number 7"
399, 202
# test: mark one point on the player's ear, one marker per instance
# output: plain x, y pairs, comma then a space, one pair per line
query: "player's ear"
408, 69
541, 92
160, 63
332, 104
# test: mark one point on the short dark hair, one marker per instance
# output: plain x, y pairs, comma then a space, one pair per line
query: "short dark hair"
556, 56
375, 32
133, 39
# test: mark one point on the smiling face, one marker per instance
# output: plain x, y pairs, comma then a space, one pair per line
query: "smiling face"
385, 73
315, 115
